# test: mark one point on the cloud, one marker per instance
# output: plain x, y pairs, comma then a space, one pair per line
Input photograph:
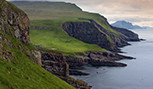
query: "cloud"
137, 11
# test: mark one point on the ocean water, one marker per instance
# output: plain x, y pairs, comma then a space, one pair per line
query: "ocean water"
137, 75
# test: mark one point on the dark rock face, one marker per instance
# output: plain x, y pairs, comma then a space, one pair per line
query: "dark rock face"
89, 33
55, 63
117, 38
93, 33
75, 62
14, 22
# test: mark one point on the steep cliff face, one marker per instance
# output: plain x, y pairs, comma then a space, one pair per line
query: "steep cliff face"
14, 22
117, 38
55, 63
89, 33
93, 33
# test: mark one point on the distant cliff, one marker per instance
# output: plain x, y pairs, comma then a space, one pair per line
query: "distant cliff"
126, 25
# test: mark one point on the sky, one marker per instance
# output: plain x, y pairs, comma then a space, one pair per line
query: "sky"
139, 12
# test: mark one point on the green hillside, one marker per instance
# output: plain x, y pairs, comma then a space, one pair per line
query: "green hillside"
59, 11
22, 73
53, 15
58, 41
17, 71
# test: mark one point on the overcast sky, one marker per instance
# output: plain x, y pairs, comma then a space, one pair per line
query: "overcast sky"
139, 12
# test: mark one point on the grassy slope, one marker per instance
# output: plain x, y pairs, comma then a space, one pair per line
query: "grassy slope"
22, 73
55, 11
53, 15
58, 42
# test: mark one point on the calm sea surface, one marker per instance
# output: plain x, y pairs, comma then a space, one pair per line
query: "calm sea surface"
137, 75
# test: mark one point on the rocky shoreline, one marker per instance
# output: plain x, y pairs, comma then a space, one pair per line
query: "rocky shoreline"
64, 66
57, 65
96, 59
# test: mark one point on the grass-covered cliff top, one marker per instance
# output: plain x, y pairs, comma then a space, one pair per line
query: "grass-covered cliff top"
59, 11
53, 15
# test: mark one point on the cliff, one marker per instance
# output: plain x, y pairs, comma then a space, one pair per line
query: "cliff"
91, 28
14, 22
92, 33
18, 57
10, 19
89, 33
57, 65
75, 32
71, 38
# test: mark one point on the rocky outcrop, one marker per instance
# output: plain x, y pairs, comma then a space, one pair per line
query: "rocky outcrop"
57, 65
96, 59
116, 37
14, 21
37, 55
